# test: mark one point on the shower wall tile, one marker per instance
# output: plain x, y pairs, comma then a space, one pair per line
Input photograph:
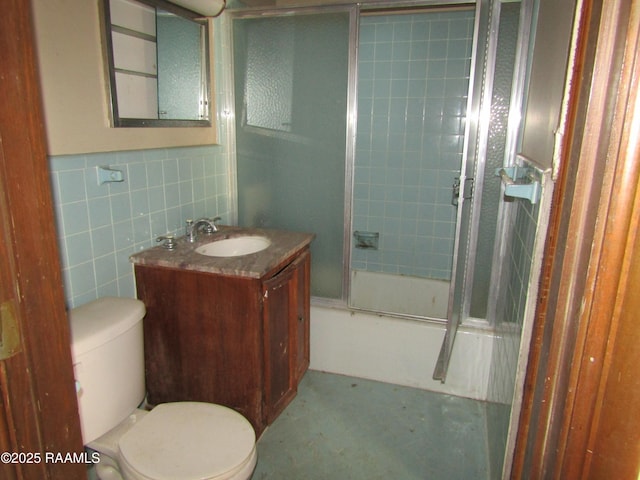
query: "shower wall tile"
509, 323
413, 83
511, 312
99, 226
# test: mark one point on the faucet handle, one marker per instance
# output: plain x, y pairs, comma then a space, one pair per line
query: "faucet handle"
169, 241
188, 227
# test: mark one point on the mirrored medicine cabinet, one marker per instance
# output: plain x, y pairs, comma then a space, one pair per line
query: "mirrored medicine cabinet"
157, 56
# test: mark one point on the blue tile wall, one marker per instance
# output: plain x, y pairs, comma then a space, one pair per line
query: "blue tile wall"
100, 226
509, 323
412, 95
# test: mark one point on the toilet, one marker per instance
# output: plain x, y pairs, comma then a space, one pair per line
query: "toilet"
173, 441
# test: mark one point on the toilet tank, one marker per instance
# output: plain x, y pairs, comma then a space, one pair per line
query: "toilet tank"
108, 361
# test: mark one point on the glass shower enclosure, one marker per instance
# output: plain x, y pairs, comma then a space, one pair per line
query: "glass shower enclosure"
291, 78
379, 127
366, 126
383, 201
414, 70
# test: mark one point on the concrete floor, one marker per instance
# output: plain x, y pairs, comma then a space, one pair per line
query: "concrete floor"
342, 427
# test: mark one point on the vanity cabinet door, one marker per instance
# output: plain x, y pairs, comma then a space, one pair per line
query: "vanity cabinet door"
279, 340
203, 339
286, 308
303, 313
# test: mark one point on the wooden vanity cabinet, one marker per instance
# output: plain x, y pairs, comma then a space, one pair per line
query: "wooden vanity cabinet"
286, 343
236, 341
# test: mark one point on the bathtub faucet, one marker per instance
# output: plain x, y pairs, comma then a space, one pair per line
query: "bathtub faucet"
208, 224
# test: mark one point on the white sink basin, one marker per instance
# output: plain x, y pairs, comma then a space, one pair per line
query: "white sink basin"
234, 247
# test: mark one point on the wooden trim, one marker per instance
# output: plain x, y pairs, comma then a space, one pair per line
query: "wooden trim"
615, 430
615, 237
37, 384
534, 412
592, 223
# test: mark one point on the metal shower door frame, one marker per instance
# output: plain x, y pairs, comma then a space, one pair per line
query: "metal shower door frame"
465, 183
471, 170
353, 13
458, 304
467, 214
480, 108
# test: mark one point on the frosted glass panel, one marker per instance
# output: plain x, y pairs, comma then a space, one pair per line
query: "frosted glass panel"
180, 68
291, 101
268, 88
491, 197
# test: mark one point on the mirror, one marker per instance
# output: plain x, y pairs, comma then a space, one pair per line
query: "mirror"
158, 62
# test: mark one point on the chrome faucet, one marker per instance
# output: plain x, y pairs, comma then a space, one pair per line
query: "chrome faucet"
192, 227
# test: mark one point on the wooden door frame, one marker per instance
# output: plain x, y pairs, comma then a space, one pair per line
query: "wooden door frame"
38, 400
592, 254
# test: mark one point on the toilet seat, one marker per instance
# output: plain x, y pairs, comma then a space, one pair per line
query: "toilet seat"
188, 441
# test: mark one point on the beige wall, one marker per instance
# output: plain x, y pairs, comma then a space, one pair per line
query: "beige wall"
75, 87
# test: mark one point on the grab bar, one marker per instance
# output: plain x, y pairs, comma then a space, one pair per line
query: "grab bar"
520, 182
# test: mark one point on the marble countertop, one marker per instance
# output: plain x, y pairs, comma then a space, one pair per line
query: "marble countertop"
284, 245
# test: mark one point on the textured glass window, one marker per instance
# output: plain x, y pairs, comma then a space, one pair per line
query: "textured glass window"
180, 68
500, 103
268, 88
291, 77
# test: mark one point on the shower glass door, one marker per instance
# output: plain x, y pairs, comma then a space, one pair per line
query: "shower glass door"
291, 91
414, 71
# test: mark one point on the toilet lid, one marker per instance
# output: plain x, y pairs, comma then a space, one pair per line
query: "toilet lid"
188, 441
